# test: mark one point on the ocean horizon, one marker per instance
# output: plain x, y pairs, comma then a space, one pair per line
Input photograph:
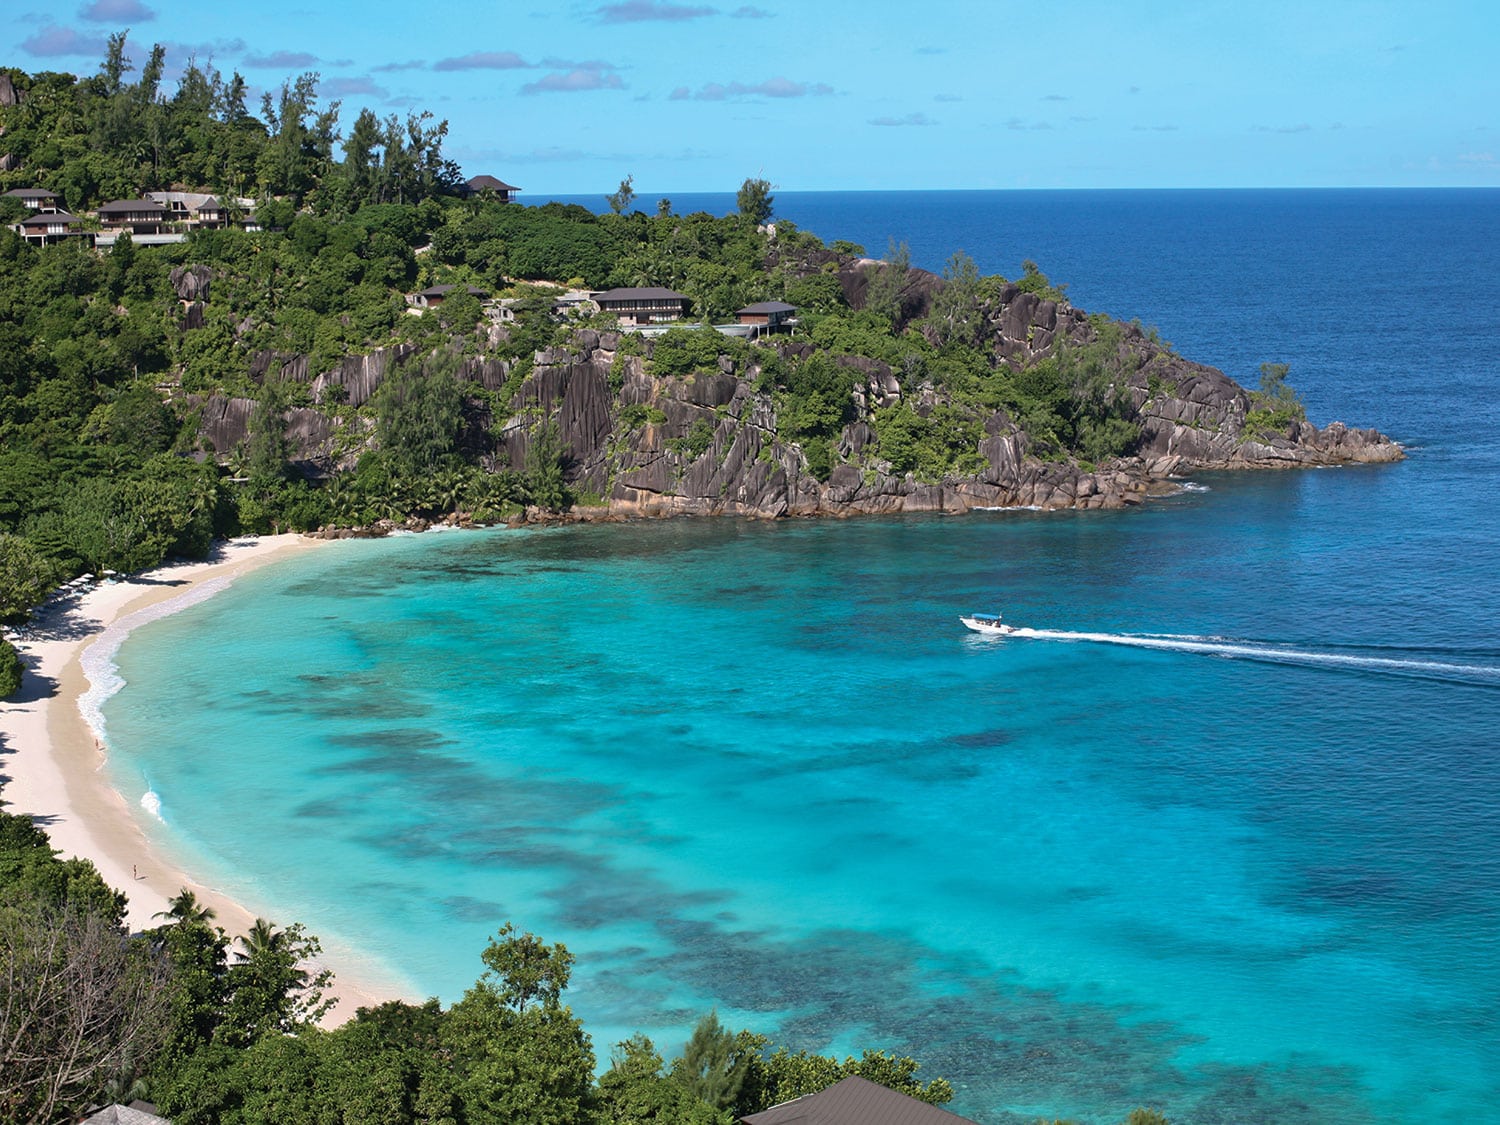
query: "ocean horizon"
1220, 837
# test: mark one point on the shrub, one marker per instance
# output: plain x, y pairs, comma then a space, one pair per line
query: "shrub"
819, 454
1033, 280
696, 444
682, 351
10, 670
1275, 406
638, 414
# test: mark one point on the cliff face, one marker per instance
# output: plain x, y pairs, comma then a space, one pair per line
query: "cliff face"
1191, 417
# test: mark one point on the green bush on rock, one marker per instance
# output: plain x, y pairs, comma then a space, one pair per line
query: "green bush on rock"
10, 670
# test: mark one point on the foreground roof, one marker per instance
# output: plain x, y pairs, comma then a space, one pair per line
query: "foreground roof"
855, 1101
125, 1115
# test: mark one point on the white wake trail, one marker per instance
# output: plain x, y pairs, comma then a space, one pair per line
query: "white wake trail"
1232, 648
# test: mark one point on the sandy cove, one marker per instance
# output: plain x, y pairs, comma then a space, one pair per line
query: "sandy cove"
53, 765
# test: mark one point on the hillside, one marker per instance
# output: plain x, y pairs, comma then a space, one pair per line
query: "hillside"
695, 423
373, 342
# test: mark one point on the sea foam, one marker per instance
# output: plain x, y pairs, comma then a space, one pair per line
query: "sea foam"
98, 659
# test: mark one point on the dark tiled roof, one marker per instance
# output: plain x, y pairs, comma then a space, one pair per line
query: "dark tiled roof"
47, 218
767, 307
131, 205
31, 193
855, 1101
489, 183
650, 293
444, 290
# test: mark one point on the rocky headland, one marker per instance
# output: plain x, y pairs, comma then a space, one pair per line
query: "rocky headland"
624, 430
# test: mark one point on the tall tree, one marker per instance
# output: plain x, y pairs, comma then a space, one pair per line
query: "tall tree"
362, 158
302, 138
519, 1053
634, 1091
545, 483
270, 988
755, 200
80, 1004
183, 908
620, 199
886, 282
714, 1064
418, 414
956, 312
266, 447
26, 575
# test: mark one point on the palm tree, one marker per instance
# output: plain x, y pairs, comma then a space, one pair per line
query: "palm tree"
263, 938
185, 909
265, 941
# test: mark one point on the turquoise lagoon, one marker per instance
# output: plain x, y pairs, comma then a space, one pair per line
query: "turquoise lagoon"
1224, 840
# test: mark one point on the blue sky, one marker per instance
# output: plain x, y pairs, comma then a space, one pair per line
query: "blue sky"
837, 94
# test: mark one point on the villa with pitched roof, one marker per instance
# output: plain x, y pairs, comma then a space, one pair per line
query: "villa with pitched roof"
37, 198
435, 295
647, 305
195, 208
46, 227
138, 216
769, 316
478, 185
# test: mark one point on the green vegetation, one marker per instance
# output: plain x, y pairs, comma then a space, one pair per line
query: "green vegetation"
1275, 406
1033, 280
26, 575
697, 441
10, 670
755, 200
620, 200
418, 415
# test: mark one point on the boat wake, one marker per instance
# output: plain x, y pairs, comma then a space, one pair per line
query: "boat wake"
1232, 648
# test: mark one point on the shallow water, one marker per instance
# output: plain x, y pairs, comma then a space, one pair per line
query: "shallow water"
1221, 836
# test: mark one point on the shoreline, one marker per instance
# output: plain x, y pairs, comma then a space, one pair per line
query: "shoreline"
54, 764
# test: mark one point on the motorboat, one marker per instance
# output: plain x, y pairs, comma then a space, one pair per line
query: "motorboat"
987, 624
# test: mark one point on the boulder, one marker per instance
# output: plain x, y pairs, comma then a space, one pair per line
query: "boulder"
191, 283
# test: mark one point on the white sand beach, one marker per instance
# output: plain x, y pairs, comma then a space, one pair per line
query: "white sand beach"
52, 761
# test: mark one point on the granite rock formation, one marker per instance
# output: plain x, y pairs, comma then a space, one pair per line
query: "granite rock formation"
1192, 417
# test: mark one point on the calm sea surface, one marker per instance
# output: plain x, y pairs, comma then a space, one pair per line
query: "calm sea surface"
1225, 840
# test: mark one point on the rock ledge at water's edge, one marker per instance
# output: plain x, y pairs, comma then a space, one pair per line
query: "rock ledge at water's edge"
1192, 417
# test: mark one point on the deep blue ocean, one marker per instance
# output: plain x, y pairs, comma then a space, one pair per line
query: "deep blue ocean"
1225, 841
